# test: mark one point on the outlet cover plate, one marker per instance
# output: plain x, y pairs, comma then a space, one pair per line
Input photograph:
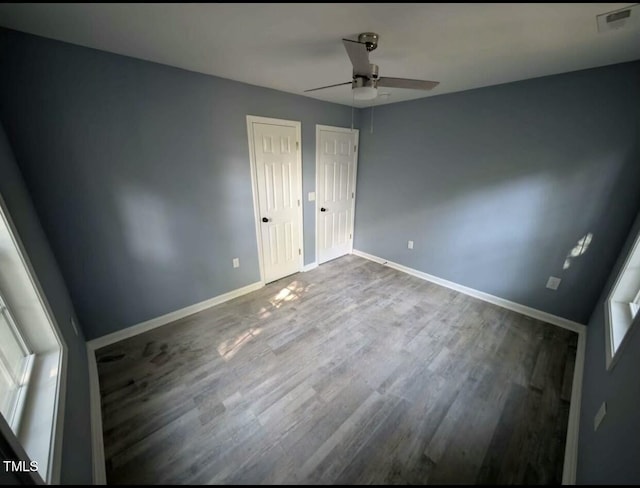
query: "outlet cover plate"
553, 283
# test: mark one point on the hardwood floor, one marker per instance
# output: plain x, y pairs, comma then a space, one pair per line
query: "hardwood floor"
350, 373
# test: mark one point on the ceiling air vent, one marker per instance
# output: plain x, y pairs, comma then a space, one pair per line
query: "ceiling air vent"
625, 18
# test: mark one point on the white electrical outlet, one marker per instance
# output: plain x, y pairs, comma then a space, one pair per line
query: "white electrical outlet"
553, 283
236, 262
602, 411
410, 245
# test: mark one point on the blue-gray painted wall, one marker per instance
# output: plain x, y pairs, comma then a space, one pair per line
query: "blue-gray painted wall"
496, 185
610, 455
140, 173
76, 443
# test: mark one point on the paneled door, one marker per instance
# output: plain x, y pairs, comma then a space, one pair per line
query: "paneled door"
277, 177
336, 163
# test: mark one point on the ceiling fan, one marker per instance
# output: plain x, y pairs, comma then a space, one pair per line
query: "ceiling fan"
366, 80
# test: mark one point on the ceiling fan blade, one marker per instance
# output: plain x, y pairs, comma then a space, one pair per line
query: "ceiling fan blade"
407, 83
329, 86
359, 57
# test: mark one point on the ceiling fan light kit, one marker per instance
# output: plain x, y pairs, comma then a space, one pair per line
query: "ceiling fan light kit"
366, 80
364, 89
365, 93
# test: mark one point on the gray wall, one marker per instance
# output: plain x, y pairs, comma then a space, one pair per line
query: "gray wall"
610, 455
497, 185
140, 173
76, 454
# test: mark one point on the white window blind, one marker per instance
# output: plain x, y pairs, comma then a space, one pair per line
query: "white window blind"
623, 304
15, 362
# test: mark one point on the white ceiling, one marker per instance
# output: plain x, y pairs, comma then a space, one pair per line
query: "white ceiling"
294, 47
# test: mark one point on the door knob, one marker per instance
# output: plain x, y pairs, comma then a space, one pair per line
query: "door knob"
264, 219
323, 209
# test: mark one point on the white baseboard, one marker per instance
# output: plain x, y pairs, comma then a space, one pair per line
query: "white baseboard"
571, 446
516, 307
309, 267
170, 317
573, 428
97, 445
99, 473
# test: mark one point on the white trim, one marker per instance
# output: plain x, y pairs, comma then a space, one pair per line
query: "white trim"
315, 188
612, 354
21, 384
355, 184
626, 317
573, 426
147, 325
21, 396
55, 447
61, 400
254, 194
309, 267
97, 443
297, 125
99, 473
516, 307
347, 130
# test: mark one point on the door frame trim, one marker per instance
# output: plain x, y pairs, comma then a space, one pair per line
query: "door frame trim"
347, 130
297, 125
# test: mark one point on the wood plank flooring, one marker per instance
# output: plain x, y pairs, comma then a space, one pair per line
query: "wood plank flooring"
351, 373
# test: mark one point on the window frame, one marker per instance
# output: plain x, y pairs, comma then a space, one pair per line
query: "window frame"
623, 314
18, 402
34, 408
635, 304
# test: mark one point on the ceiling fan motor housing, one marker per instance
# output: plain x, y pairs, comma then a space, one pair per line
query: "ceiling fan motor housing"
362, 81
370, 39
373, 73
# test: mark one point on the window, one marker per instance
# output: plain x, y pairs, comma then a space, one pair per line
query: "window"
623, 303
32, 361
16, 361
635, 305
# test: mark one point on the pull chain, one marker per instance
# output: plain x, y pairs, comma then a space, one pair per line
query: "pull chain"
352, 118
353, 101
372, 107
